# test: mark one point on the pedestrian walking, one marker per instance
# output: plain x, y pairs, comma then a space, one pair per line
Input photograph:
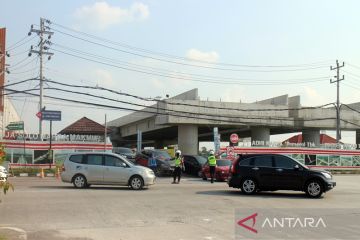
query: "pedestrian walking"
152, 164
179, 164
212, 165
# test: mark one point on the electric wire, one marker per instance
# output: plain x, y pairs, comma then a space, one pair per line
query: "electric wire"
205, 77
178, 57
177, 103
19, 62
352, 74
187, 64
202, 117
352, 65
25, 71
179, 77
14, 46
25, 64
26, 98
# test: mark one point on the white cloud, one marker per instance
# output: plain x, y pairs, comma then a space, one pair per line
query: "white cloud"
196, 54
101, 15
158, 84
232, 94
312, 97
104, 78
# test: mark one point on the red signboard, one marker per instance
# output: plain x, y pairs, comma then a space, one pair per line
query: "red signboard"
230, 154
234, 138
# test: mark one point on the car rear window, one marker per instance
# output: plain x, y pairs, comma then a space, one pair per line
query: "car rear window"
94, 159
222, 163
76, 158
245, 162
284, 162
123, 150
201, 160
162, 155
263, 161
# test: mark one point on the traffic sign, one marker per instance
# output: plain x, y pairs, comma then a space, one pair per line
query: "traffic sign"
230, 152
234, 138
15, 126
39, 115
51, 115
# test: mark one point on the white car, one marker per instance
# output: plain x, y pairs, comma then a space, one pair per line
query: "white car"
3, 174
84, 169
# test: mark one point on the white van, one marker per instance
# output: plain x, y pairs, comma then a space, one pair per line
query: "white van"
84, 169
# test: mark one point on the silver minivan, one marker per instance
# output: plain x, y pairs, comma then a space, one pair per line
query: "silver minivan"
84, 169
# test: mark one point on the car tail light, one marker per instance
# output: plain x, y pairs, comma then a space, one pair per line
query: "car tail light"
233, 167
63, 168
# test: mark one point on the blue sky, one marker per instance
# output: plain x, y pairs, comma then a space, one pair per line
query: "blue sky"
239, 32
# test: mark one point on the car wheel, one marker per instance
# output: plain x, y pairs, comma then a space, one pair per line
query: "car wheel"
79, 181
136, 183
314, 189
248, 186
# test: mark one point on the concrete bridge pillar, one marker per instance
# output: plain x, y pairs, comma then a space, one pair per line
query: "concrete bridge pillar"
188, 139
260, 136
357, 138
311, 136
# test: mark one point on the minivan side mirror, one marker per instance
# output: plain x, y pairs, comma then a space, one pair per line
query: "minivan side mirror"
296, 167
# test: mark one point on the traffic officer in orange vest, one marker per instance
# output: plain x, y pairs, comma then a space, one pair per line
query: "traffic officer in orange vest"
179, 165
212, 165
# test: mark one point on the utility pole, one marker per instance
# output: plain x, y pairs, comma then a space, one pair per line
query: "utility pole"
43, 46
337, 81
105, 133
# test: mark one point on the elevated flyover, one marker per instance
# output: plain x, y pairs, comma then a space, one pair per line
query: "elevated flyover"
185, 120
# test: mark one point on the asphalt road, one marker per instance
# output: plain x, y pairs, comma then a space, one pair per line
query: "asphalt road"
48, 209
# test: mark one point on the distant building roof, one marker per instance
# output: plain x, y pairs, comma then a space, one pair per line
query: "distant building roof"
324, 138
84, 126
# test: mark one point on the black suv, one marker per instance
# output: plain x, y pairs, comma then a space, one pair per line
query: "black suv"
271, 172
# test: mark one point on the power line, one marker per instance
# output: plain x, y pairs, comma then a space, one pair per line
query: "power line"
186, 64
21, 61
178, 57
346, 121
353, 74
351, 86
54, 103
205, 77
352, 65
182, 104
69, 76
25, 71
178, 77
18, 53
353, 109
23, 65
156, 109
116, 107
26, 99
17, 83
15, 45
